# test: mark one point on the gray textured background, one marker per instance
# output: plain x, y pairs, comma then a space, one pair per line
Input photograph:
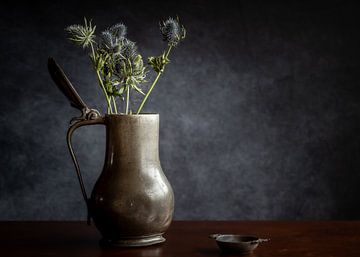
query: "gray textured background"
259, 108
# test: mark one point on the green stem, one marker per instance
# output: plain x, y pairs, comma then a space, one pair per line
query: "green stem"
109, 109
114, 103
148, 93
92, 51
168, 51
127, 100
153, 84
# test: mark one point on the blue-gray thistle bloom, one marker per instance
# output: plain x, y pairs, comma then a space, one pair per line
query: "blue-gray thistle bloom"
128, 49
108, 41
112, 38
172, 31
129, 67
118, 30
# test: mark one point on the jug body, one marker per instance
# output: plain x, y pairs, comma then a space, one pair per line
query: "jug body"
132, 202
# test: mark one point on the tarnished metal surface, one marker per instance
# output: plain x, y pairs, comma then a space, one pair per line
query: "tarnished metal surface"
132, 202
241, 244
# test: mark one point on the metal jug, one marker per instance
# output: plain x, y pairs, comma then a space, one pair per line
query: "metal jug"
132, 202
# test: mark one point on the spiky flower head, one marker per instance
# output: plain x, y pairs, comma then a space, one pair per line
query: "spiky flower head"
118, 30
108, 42
131, 72
172, 32
128, 49
112, 38
82, 35
129, 68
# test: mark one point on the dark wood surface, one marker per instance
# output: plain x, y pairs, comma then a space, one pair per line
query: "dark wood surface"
185, 239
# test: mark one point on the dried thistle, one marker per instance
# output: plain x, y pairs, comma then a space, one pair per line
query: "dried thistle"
118, 65
82, 35
112, 38
172, 32
118, 30
108, 42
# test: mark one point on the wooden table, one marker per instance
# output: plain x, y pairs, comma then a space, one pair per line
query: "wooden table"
185, 239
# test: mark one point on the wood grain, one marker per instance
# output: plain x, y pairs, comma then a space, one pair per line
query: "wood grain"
185, 239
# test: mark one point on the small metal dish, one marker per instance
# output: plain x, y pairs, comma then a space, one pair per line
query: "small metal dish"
241, 244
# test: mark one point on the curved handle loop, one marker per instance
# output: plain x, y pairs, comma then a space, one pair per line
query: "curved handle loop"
88, 117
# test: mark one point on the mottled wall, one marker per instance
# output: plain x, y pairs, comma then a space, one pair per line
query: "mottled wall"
259, 108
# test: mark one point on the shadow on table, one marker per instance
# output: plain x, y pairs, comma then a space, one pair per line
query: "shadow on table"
149, 251
217, 252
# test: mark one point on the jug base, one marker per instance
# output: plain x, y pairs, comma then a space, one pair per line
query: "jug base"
133, 241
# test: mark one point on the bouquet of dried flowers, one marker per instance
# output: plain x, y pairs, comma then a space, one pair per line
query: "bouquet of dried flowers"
118, 66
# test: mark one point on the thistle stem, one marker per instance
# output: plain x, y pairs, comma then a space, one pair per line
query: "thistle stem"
148, 93
168, 51
104, 91
92, 50
153, 84
114, 103
127, 100
109, 109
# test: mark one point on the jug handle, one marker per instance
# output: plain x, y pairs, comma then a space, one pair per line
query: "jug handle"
88, 117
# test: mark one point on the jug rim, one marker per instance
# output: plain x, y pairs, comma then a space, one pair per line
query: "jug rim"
131, 115
142, 116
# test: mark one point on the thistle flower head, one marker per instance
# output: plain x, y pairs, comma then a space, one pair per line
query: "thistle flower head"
118, 30
82, 35
129, 66
112, 41
108, 41
131, 72
128, 49
172, 32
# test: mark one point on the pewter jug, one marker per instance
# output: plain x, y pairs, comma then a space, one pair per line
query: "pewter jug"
132, 201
